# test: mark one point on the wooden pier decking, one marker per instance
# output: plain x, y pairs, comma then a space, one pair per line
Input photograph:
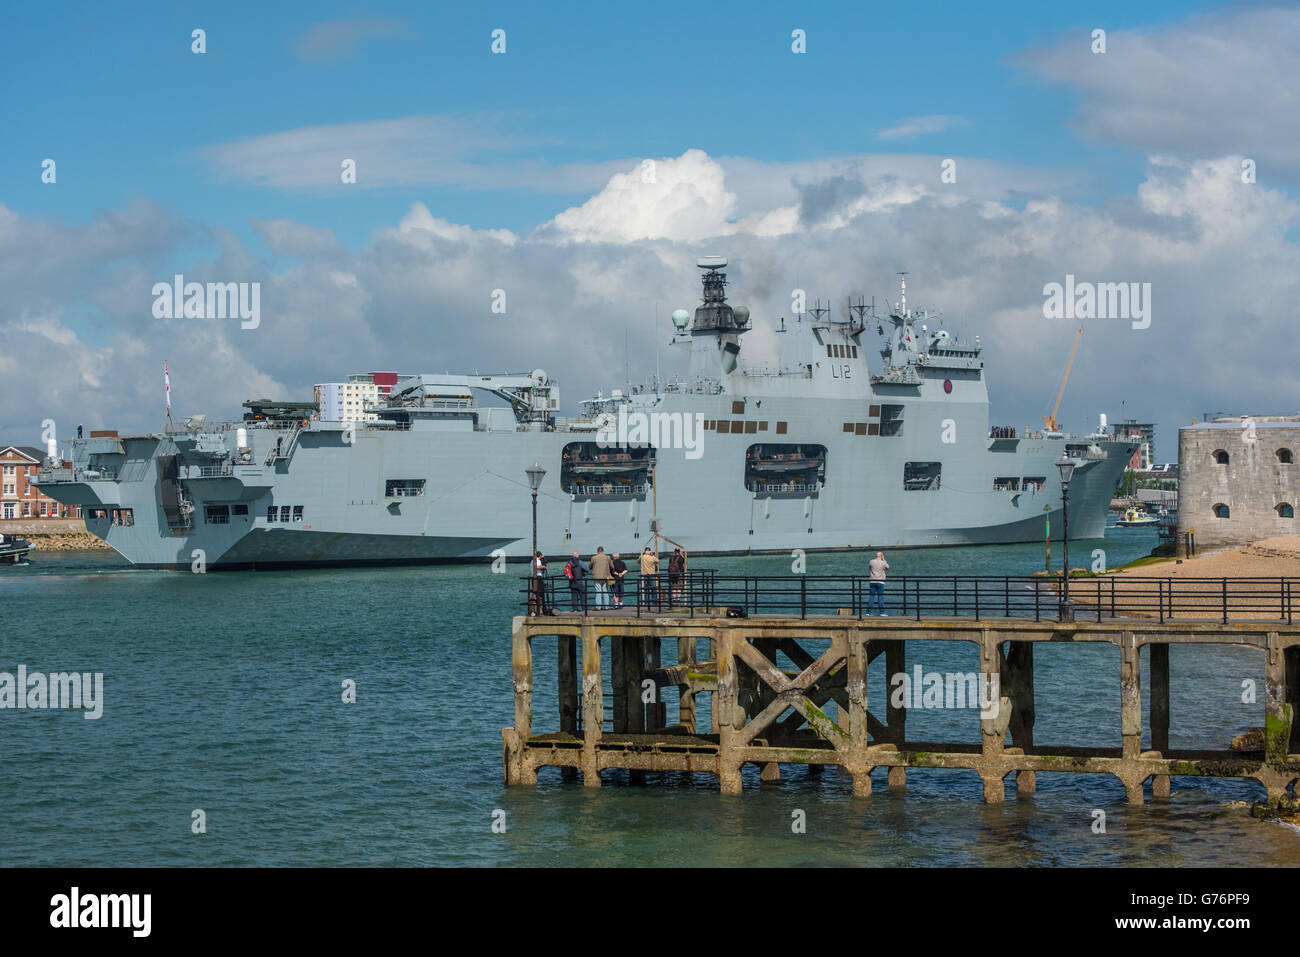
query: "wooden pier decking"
831, 723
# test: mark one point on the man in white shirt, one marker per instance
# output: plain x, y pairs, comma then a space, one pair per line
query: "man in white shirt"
878, 566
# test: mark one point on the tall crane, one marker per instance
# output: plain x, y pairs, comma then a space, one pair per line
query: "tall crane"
1050, 423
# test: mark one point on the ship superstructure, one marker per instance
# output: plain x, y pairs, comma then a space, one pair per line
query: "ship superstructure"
815, 451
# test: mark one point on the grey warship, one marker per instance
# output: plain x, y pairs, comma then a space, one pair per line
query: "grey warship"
816, 451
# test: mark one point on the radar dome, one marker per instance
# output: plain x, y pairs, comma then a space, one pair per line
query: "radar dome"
680, 318
742, 314
711, 262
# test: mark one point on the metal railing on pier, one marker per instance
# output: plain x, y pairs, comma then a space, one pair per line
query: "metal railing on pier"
931, 596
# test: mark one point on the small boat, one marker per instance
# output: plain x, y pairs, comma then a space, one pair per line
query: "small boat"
13, 549
1136, 517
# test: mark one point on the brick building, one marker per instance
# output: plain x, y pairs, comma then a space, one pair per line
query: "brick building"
1238, 479
19, 465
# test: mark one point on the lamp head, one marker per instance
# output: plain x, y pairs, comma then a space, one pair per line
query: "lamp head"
1066, 469
535, 475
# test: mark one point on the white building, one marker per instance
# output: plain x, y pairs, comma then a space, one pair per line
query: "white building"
346, 401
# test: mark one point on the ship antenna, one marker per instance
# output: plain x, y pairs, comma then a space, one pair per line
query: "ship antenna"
902, 282
656, 348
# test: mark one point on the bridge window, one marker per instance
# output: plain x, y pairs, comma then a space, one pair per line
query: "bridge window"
785, 470
284, 513
1285, 510
1220, 457
1221, 511
403, 488
921, 476
241, 509
217, 514
891, 420
588, 471
1284, 456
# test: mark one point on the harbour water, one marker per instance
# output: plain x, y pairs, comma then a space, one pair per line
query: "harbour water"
224, 692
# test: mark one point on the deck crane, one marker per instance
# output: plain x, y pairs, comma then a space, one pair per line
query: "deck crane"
1051, 426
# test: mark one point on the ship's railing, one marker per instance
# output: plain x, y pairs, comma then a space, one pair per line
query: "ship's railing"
768, 489
61, 476
608, 491
921, 596
224, 470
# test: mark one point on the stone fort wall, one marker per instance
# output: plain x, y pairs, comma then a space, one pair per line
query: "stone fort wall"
1246, 497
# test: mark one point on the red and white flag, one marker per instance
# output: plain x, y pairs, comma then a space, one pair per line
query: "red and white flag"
167, 385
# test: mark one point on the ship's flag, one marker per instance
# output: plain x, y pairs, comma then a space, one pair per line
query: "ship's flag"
167, 385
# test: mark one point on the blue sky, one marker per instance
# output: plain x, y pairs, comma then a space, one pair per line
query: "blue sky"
121, 103
519, 171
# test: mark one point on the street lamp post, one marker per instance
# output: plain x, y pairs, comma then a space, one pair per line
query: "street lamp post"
1066, 469
535, 475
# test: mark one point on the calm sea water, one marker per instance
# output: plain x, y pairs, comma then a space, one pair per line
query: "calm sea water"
223, 693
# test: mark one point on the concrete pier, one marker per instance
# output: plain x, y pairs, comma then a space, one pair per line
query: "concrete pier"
818, 714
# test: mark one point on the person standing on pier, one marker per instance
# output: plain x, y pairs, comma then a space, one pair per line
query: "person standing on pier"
536, 600
649, 569
600, 577
878, 567
676, 572
576, 572
618, 569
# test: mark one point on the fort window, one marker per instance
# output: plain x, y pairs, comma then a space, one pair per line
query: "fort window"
1221, 511
1220, 457
1285, 510
1284, 456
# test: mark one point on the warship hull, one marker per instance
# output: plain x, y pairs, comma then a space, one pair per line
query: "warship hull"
475, 502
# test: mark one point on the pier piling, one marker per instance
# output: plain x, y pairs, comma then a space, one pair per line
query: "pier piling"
793, 690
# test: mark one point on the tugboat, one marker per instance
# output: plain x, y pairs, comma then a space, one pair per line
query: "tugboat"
1137, 518
13, 549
